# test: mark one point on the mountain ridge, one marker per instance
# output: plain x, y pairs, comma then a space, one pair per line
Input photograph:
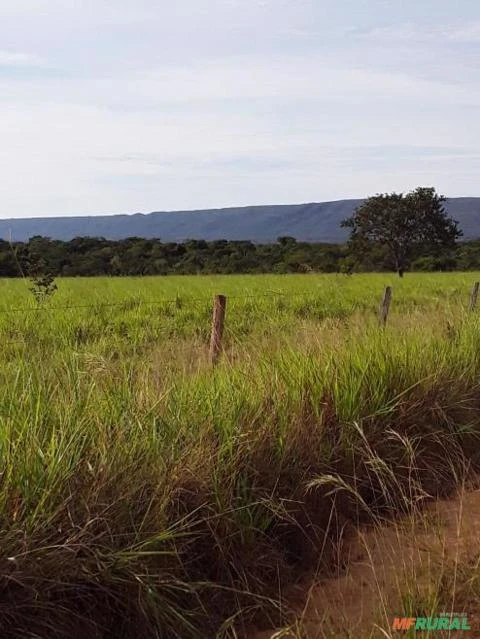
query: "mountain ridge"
313, 222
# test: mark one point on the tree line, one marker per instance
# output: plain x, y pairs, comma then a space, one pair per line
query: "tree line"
89, 256
388, 232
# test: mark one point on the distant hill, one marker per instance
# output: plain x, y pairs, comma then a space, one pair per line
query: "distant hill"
315, 222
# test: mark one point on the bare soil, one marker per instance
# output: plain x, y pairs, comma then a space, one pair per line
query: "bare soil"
422, 555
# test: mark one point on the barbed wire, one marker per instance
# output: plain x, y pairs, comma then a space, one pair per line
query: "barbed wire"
180, 301
135, 303
132, 303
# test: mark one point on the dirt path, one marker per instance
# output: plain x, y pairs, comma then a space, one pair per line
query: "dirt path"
398, 570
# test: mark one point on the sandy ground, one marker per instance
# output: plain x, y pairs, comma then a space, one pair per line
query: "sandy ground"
383, 565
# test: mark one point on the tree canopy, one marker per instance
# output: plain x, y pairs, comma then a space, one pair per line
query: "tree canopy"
405, 226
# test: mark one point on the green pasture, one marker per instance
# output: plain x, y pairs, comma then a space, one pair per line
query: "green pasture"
149, 309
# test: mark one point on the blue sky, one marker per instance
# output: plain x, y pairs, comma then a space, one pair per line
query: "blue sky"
126, 106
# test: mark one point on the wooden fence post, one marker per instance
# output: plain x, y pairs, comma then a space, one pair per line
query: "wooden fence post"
474, 296
218, 320
385, 305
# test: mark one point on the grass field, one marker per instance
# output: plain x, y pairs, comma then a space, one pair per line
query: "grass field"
144, 494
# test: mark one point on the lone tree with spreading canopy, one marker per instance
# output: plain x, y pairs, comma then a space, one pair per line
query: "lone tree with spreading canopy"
406, 226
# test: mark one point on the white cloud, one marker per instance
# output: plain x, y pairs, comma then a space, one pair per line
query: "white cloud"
422, 33
84, 158
466, 33
140, 106
19, 59
286, 78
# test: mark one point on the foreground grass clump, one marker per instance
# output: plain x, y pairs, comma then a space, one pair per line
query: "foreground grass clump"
144, 494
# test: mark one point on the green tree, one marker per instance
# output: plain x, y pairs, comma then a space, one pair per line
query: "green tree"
407, 226
286, 240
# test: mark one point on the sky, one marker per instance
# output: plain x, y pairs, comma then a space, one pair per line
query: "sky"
126, 106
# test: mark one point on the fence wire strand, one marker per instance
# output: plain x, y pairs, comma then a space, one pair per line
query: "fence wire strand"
131, 304
138, 303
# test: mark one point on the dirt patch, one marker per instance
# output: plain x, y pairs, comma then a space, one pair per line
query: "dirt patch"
390, 570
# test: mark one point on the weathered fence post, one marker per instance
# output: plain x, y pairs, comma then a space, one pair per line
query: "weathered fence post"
385, 305
218, 320
474, 296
